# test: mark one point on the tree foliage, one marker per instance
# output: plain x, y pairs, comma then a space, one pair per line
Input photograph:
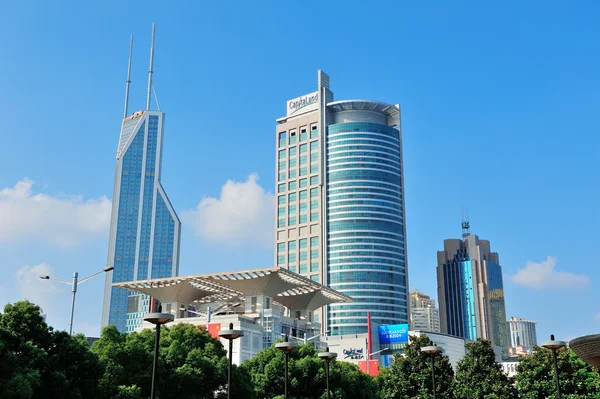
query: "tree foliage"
38, 362
535, 376
478, 376
410, 375
307, 376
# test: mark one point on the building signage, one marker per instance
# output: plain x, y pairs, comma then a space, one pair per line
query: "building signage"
392, 334
354, 354
303, 104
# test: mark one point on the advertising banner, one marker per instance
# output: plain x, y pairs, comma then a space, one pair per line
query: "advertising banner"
393, 334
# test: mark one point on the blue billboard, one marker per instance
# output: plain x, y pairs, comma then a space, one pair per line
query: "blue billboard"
393, 334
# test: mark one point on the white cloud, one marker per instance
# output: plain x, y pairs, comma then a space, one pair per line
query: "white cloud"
242, 215
57, 219
544, 275
33, 288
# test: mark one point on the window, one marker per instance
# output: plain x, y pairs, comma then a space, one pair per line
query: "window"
281, 211
292, 209
292, 197
314, 267
315, 278
303, 255
314, 253
292, 268
280, 247
303, 268
281, 199
282, 139
303, 194
303, 243
302, 160
281, 176
303, 183
292, 151
303, 148
292, 174
303, 207
303, 171
314, 241
291, 246
292, 185
293, 138
292, 221
303, 135
281, 188
314, 132
314, 157
282, 165
314, 180
281, 223
303, 219
314, 216
314, 168
281, 154
281, 260
291, 258
314, 146
314, 192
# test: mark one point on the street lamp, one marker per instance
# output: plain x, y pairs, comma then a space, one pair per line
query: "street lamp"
432, 351
230, 335
305, 340
158, 319
328, 357
73, 285
554, 346
286, 347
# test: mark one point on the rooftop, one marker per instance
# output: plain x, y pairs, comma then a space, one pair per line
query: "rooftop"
288, 289
364, 105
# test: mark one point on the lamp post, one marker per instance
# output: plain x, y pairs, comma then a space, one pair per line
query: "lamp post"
230, 335
158, 319
554, 346
286, 347
305, 340
74, 285
432, 351
328, 357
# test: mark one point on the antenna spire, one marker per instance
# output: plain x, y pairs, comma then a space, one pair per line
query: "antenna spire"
466, 226
150, 70
128, 82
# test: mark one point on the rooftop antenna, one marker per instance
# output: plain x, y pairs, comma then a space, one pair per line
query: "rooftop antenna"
466, 227
155, 97
150, 70
128, 82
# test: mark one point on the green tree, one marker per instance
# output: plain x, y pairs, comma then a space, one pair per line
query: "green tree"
306, 376
478, 376
38, 362
191, 364
535, 376
410, 374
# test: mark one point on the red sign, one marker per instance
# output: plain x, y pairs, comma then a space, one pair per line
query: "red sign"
372, 368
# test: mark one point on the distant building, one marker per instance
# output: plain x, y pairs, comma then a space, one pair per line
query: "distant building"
424, 316
509, 366
522, 336
471, 290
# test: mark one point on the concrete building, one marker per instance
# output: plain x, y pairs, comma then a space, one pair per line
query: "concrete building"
340, 205
522, 336
424, 316
144, 228
509, 366
264, 303
471, 291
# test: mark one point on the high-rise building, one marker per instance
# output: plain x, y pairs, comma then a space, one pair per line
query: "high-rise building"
424, 316
144, 230
471, 291
521, 333
340, 205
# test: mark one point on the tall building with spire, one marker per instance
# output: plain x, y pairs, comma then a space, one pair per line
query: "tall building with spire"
144, 230
471, 290
340, 216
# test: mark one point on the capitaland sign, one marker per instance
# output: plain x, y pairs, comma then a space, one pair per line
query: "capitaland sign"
303, 104
354, 354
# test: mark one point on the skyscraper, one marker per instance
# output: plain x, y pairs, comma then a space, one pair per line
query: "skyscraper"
340, 205
144, 230
522, 332
471, 291
424, 316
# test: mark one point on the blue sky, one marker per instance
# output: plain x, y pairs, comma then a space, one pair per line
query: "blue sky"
499, 112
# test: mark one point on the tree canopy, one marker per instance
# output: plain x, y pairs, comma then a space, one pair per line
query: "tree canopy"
410, 374
535, 376
478, 376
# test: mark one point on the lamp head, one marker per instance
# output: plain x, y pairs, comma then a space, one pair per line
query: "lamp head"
45, 277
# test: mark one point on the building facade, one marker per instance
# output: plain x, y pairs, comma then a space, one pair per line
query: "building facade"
424, 315
340, 205
144, 230
521, 334
471, 291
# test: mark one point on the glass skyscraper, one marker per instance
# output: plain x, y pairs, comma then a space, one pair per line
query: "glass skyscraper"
471, 291
145, 230
340, 205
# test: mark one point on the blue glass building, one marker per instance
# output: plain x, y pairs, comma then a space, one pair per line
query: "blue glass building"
340, 206
471, 291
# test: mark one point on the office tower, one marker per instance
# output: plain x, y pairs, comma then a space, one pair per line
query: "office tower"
424, 316
340, 205
144, 229
521, 333
471, 291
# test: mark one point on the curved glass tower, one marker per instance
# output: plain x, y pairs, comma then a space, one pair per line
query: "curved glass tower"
340, 205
